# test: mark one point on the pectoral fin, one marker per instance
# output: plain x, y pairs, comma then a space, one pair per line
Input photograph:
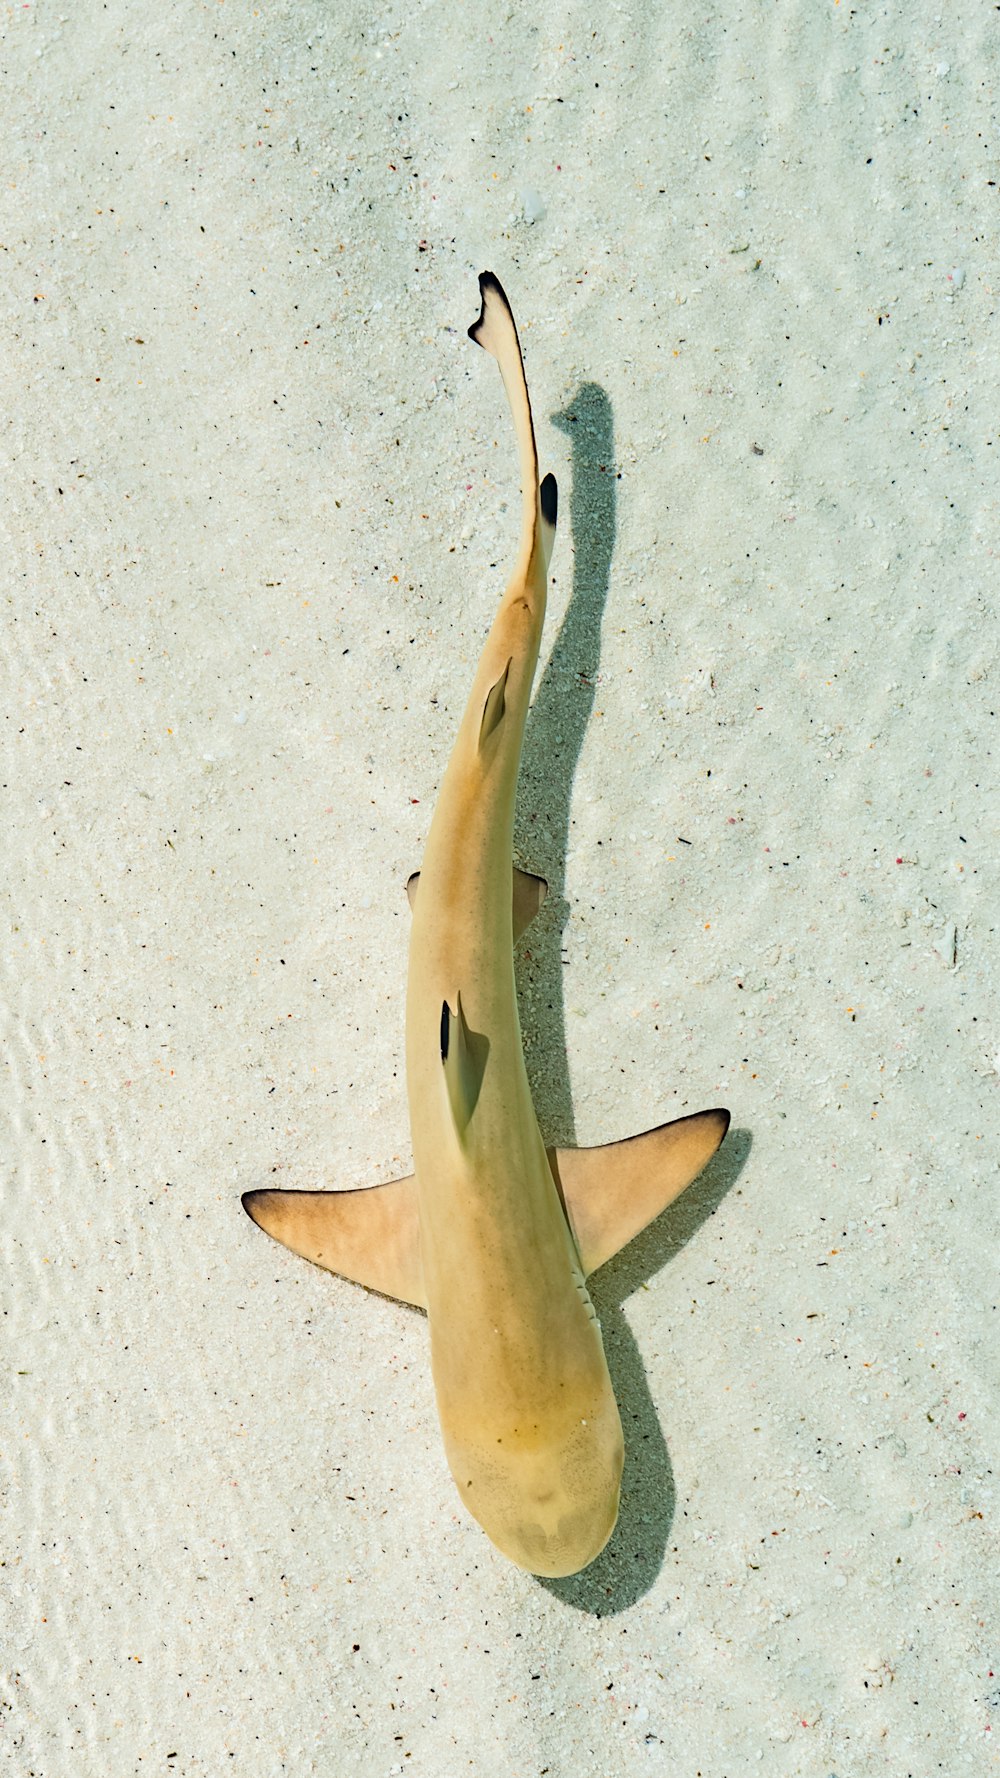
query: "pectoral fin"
611, 1193
372, 1237
529, 893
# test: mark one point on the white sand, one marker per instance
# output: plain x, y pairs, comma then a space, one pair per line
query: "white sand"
259, 497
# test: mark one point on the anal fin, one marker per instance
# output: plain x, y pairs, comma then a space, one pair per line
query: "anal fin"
370, 1236
611, 1193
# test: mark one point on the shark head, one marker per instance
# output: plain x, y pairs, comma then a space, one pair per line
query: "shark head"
548, 1505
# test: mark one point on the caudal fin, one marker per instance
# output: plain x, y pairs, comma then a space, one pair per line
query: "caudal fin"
496, 332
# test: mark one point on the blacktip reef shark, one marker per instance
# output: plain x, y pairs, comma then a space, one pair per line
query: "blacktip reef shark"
492, 1234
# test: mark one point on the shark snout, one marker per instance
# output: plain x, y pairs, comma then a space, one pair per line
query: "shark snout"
555, 1543
550, 1510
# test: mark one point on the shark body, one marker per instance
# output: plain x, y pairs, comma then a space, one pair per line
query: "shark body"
493, 1234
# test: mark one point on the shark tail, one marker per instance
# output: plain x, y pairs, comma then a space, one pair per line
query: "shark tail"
496, 332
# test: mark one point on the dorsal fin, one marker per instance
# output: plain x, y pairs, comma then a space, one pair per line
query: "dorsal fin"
463, 1059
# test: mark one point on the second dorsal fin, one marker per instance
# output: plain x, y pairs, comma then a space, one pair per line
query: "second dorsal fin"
493, 708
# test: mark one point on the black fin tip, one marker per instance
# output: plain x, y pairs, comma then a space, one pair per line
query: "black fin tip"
488, 281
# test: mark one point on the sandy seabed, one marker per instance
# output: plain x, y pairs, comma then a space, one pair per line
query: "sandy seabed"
259, 500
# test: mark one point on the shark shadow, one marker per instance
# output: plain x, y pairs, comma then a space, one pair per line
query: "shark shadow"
557, 724
628, 1565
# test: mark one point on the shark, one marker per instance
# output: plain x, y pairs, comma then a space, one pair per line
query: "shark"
494, 1234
